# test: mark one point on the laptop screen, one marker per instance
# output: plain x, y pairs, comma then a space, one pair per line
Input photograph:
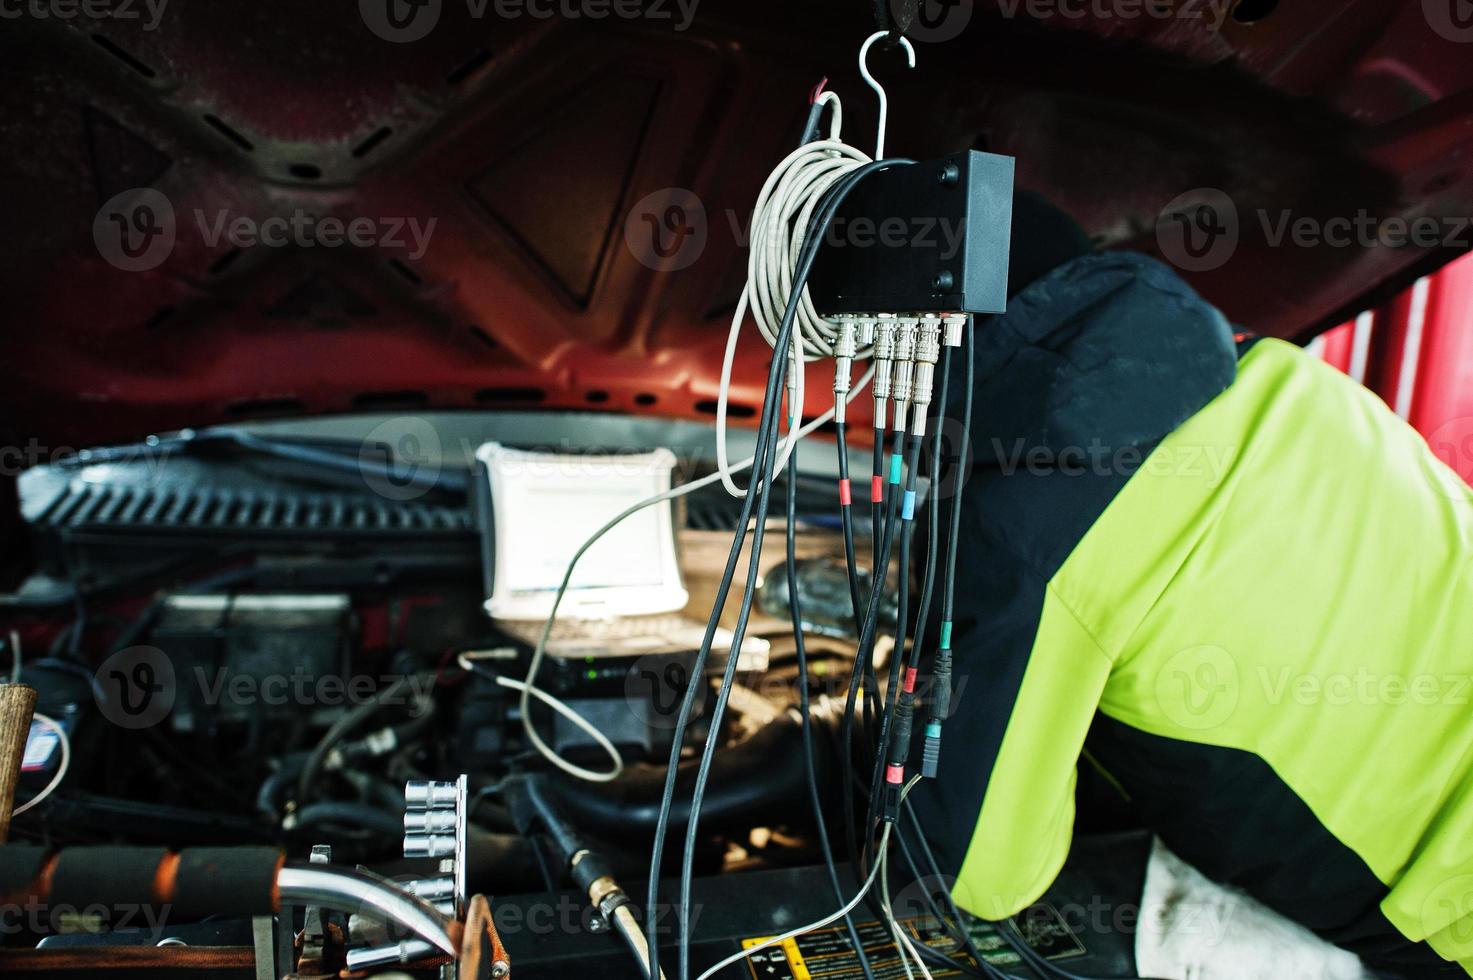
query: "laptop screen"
547, 505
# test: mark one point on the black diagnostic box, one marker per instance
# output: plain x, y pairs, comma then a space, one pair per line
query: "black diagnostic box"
922, 238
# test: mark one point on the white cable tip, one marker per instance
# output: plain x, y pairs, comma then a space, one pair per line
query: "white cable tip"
954, 322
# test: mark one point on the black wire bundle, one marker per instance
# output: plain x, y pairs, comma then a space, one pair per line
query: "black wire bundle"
758, 499
795, 606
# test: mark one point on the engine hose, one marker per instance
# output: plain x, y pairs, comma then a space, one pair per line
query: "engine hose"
748, 779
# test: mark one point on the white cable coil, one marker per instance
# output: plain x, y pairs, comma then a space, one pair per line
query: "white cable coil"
779, 220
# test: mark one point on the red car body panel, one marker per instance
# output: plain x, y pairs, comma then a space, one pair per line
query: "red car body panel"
534, 146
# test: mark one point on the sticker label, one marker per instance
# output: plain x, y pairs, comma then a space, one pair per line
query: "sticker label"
827, 954
41, 745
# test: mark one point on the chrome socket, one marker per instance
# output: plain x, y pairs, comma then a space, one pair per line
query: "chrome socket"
954, 322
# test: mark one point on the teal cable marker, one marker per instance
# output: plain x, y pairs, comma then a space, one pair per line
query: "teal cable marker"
933, 729
896, 466
908, 506
946, 635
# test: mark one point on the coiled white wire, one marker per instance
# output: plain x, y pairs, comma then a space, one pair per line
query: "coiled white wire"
61, 769
779, 219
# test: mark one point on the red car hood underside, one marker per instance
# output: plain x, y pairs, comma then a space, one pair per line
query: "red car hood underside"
529, 141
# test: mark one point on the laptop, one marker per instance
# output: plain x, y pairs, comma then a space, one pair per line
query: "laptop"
626, 596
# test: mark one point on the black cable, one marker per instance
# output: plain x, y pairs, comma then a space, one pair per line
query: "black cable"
956, 929
948, 594
856, 595
1006, 929
697, 680
877, 483
345, 724
757, 496
846, 517
933, 507
862, 660
761, 486
356, 816
940, 701
893, 691
960, 931
795, 608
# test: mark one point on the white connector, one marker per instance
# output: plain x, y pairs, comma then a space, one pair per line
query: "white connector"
954, 323
844, 350
885, 328
905, 352
927, 354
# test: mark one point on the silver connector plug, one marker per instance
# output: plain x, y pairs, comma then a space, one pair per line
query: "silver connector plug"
885, 329
905, 351
864, 324
845, 346
928, 353
953, 325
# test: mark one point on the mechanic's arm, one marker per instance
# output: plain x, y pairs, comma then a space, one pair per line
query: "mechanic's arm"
1027, 679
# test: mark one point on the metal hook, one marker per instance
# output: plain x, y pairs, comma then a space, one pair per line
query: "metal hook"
880, 89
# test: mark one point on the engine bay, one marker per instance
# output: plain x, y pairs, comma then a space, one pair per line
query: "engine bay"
244, 642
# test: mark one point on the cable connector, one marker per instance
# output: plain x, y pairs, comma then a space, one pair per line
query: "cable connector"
928, 352
954, 322
795, 411
905, 352
844, 350
931, 751
899, 748
864, 325
940, 703
885, 328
